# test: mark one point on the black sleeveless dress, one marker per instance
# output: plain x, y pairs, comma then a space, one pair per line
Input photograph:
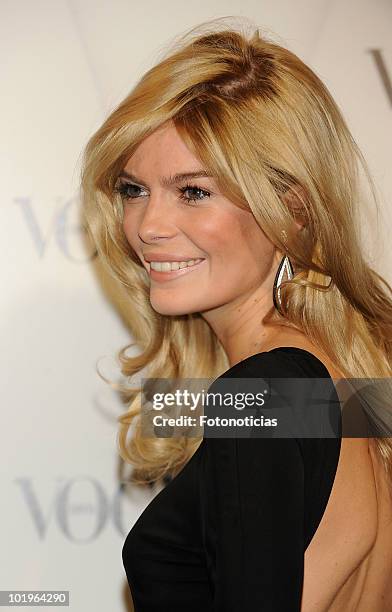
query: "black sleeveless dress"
229, 532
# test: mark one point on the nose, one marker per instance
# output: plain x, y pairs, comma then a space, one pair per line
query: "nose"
157, 220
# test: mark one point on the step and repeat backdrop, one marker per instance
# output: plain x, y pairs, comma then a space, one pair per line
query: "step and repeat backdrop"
65, 65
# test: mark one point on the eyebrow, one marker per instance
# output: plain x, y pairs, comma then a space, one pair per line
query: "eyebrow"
169, 180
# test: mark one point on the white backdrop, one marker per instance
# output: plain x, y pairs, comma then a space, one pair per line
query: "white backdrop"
65, 65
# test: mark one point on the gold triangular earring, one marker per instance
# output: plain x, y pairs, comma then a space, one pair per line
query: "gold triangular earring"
284, 266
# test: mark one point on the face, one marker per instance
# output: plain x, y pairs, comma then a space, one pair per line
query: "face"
233, 256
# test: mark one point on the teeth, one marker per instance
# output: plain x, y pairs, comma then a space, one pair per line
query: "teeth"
169, 266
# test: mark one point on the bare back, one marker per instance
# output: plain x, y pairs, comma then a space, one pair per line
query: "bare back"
348, 563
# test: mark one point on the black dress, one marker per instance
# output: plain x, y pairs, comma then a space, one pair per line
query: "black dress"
229, 532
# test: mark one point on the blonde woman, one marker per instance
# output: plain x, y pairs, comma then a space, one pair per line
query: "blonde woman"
230, 163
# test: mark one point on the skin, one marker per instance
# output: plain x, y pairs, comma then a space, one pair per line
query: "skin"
233, 291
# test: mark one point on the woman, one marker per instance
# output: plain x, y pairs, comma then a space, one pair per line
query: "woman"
230, 162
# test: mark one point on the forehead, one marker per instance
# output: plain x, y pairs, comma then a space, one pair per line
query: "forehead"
163, 149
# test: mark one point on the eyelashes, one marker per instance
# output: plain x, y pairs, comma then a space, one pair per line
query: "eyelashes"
124, 187
183, 190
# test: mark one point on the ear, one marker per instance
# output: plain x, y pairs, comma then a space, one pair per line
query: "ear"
294, 198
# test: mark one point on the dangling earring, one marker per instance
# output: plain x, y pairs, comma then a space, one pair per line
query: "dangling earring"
284, 266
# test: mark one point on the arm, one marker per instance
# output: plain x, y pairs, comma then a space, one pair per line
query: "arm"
258, 487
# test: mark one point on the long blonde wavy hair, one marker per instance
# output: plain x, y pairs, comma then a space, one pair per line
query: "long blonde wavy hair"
261, 121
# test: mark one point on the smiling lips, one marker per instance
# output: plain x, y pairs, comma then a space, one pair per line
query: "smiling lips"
171, 269
170, 266
168, 262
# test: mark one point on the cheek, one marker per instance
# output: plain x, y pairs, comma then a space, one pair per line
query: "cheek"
234, 239
219, 233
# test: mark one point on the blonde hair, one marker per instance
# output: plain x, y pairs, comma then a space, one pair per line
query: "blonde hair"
261, 121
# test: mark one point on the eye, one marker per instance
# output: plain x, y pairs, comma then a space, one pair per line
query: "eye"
193, 188
124, 189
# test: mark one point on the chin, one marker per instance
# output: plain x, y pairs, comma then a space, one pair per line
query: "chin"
173, 309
